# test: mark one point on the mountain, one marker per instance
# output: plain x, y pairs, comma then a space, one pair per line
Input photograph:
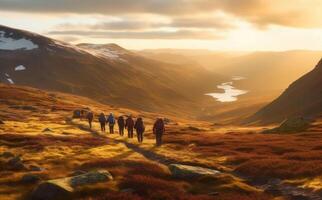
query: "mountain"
258, 67
302, 98
107, 73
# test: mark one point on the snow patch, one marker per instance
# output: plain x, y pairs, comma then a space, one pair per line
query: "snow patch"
20, 68
7, 75
104, 52
8, 43
10, 81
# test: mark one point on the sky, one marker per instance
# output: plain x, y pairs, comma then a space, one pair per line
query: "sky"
227, 25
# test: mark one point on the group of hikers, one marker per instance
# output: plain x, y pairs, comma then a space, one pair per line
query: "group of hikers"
129, 125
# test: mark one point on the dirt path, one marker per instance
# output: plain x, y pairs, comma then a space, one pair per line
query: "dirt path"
276, 188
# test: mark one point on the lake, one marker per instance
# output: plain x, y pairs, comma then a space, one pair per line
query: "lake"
230, 93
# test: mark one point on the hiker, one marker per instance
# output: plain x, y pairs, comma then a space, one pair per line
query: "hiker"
139, 127
129, 124
111, 122
121, 124
158, 130
82, 114
90, 117
102, 121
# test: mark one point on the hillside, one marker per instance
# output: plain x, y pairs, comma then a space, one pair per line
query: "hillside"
107, 73
301, 98
258, 67
41, 143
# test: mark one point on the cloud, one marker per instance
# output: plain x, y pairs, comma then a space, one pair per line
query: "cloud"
143, 23
294, 13
180, 34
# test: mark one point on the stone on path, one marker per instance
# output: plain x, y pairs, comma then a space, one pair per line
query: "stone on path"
63, 188
47, 130
187, 171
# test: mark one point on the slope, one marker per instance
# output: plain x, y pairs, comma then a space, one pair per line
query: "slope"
302, 98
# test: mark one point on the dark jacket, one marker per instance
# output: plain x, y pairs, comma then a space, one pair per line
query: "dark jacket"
102, 118
90, 116
120, 121
139, 126
158, 127
129, 123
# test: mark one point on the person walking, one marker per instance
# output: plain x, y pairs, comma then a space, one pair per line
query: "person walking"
158, 130
111, 122
90, 117
102, 121
121, 124
129, 125
139, 127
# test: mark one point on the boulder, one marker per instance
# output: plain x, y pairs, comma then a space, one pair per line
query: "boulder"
15, 163
295, 124
63, 188
47, 130
30, 178
187, 171
78, 172
90, 178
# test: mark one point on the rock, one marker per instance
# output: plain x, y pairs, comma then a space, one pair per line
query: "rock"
1, 122
192, 128
213, 193
30, 178
290, 125
90, 178
47, 130
63, 188
187, 171
78, 172
15, 164
35, 168
52, 191
7, 154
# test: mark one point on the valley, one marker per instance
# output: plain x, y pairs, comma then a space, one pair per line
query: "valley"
60, 145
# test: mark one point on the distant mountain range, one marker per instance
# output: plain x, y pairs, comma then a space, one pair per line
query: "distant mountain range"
302, 98
107, 73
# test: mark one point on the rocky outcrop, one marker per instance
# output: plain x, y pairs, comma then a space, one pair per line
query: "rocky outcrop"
187, 171
64, 188
290, 125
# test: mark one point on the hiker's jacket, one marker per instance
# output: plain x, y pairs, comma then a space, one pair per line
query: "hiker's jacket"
139, 126
111, 119
158, 127
102, 119
129, 123
90, 116
120, 121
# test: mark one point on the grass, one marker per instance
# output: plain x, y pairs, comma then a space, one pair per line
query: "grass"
67, 148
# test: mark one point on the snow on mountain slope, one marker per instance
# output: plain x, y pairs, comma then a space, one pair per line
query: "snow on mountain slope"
108, 51
7, 42
20, 68
106, 73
